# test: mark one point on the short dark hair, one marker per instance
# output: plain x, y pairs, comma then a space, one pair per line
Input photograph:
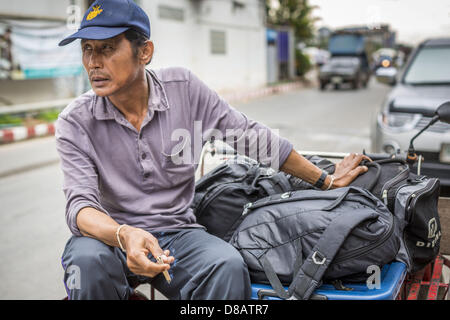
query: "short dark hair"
137, 40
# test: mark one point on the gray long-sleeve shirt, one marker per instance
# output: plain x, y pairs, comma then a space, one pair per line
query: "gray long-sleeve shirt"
146, 178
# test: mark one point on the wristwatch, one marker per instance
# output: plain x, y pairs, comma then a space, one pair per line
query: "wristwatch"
320, 182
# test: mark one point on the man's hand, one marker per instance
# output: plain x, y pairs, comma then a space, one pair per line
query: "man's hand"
349, 169
345, 171
138, 244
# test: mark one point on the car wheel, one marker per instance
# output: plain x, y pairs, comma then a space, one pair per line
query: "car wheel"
322, 85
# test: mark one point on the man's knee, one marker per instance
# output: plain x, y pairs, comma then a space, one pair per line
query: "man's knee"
232, 279
86, 253
233, 264
93, 270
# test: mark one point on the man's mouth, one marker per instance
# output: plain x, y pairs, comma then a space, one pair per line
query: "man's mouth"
99, 80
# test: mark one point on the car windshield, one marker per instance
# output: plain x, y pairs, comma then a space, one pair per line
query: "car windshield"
430, 66
344, 62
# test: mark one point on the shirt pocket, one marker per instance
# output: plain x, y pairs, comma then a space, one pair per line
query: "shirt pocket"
177, 164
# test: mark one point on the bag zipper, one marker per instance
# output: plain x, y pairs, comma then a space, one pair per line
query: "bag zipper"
283, 198
417, 194
364, 250
384, 193
413, 197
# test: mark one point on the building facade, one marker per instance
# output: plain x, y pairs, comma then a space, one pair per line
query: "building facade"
222, 41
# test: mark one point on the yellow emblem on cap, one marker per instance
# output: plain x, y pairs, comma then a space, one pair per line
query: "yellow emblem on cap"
95, 12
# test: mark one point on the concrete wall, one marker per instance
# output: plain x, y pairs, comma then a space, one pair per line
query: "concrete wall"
187, 43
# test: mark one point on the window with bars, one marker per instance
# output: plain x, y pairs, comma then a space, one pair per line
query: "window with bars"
170, 13
218, 42
89, 2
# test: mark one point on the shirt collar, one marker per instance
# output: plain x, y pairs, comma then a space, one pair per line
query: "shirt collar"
157, 100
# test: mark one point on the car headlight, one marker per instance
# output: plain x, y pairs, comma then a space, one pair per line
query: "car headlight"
385, 63
400, 121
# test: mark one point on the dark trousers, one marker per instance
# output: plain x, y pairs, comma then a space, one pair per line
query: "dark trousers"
205, 267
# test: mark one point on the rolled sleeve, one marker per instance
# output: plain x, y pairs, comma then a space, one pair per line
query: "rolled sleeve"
80, 179
223, 122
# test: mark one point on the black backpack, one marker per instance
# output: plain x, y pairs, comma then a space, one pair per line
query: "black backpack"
302, 238
221, 194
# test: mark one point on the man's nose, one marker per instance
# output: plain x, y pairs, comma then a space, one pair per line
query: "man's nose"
95, 60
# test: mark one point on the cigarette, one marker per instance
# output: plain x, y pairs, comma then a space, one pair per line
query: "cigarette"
165, 272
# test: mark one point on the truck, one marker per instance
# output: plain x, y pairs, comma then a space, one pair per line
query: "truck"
350, 60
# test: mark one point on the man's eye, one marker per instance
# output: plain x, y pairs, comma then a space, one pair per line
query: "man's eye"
87, 48
107, 47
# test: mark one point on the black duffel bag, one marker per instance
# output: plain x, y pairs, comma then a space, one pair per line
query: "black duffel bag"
413, 199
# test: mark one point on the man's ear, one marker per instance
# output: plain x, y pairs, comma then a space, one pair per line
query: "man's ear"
146, 52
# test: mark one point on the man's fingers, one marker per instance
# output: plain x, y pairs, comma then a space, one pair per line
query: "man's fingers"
157, 252
153, 246
144, 266
167, 259
353, 174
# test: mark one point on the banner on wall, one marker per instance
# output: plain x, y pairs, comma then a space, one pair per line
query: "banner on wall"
29, 50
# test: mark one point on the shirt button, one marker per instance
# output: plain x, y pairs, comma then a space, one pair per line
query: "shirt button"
143, 156
146, 175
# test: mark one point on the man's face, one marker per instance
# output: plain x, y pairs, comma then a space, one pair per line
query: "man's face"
110, 64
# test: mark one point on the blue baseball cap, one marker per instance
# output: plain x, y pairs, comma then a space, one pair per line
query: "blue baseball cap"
108, 18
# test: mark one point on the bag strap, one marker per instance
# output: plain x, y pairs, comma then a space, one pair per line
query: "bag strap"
316, 264
277, 183
271, 275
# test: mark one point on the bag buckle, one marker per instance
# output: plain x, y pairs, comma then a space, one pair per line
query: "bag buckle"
285, 195
316, 261
246, 208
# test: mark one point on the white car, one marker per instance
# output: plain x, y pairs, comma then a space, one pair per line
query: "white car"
421, 86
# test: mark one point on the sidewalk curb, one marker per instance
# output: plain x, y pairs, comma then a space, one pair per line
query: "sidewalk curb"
23, 133
262, 92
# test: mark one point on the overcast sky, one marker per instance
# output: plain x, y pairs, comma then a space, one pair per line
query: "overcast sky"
414, 20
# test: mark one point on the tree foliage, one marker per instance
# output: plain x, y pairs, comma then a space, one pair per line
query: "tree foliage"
293, 13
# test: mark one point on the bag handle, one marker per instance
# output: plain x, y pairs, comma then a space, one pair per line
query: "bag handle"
377, 166
343, 196
391, 160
